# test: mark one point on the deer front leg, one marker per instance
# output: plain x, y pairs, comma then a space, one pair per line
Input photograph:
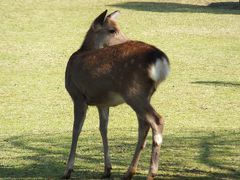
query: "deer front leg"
143, 129
156, 122
80, 109
103, 116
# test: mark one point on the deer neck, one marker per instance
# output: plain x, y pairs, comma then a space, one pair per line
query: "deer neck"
90, 42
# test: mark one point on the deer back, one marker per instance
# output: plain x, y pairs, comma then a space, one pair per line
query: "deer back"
119, 71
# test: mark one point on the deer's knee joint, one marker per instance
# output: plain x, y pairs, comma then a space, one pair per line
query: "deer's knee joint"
159, 120
155, 118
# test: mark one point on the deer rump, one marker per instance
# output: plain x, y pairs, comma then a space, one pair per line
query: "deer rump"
108, 76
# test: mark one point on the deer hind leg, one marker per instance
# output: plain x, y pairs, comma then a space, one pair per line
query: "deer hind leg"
80, 108
152, 119
103, 116
156, 122
143, 129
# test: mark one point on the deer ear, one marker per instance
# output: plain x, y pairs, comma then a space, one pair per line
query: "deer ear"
114, 15
100, 19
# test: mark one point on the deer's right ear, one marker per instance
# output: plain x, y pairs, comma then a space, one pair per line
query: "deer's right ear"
99, 21
114, 15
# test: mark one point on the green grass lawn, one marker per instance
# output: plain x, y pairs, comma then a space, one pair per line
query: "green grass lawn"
200, 100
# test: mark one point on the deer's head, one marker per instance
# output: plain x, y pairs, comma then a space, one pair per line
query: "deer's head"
103, 32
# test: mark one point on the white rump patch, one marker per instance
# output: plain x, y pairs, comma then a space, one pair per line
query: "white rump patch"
159, 70
158, 139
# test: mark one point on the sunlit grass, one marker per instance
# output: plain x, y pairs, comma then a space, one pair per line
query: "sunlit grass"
200, 100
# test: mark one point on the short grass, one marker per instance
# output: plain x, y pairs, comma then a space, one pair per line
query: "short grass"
200, 100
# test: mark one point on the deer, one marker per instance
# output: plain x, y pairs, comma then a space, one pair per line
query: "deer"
109, 69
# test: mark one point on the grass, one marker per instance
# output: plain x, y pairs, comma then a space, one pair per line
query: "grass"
200, 100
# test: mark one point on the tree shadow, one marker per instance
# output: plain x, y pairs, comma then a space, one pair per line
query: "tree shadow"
215, 8
46, 156
29, 147
221, 149
218, 83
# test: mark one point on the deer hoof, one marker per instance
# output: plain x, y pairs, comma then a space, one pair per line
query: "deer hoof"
128, 176
130, 173
107, 173
67, 174
151, 176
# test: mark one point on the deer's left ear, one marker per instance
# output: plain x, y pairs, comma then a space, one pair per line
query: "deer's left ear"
99, 21
114, 15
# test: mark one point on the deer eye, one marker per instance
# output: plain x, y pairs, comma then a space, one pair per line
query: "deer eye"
112, 31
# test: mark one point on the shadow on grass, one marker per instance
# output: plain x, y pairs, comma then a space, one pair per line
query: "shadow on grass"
208, 147
218, 83
215, 8
45, 156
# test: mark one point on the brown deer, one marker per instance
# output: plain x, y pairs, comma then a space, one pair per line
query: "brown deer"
109, 70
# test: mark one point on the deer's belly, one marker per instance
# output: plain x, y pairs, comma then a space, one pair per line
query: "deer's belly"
115, 99
108, 99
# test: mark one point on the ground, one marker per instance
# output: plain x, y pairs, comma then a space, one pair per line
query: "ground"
200, 100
